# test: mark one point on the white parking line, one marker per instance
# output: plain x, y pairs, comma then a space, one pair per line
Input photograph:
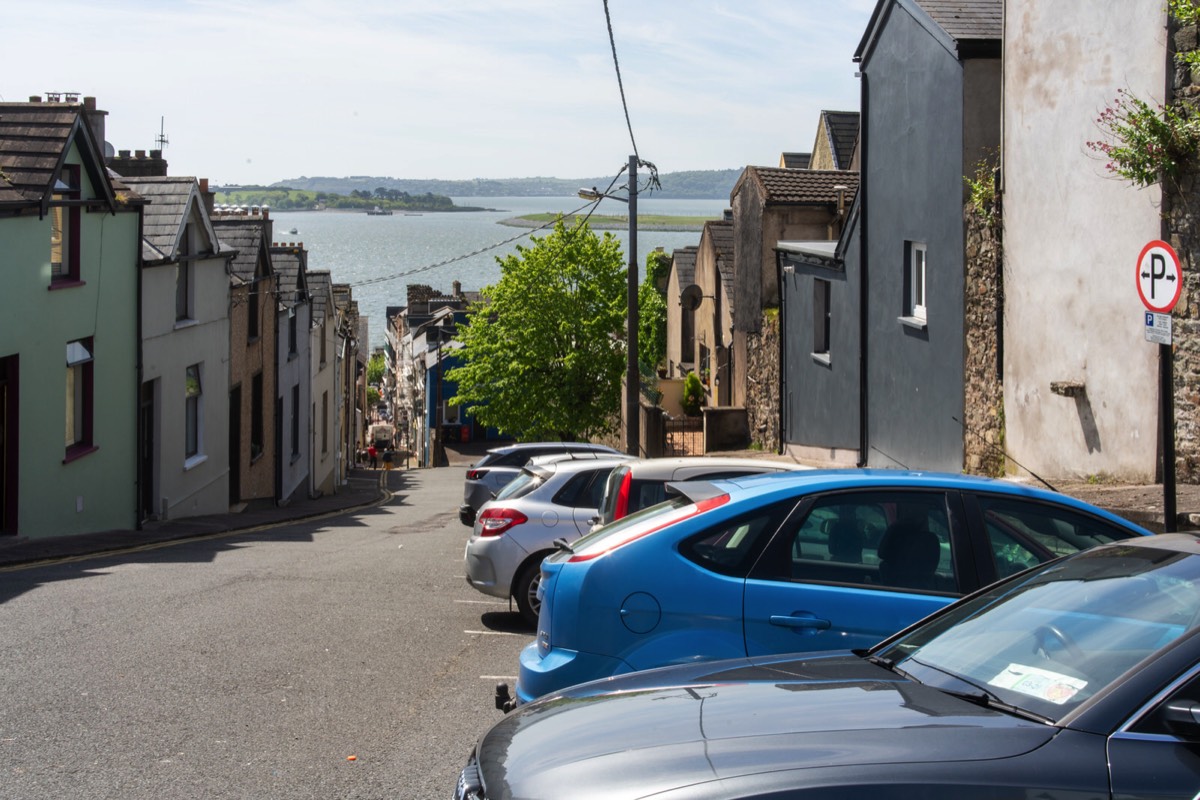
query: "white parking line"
496, 633
484, 602
497, 677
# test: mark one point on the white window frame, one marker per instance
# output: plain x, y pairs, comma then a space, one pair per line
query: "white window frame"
822, 319
918, 261
193, 413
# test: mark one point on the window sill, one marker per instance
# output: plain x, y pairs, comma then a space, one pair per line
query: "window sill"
821, 358
194, 461
292, 356
295, 457
917, 323
253, 340
78, 451
69, 283
186, 323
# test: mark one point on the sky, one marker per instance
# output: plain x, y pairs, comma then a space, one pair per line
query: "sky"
260, 91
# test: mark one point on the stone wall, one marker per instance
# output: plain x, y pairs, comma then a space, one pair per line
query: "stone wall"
983, 301
1181, 209
763, 382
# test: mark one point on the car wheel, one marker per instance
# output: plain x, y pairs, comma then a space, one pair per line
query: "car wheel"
525, 589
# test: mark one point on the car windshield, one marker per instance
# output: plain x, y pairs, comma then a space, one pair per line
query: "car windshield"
523, 484
1048, 640
634, 526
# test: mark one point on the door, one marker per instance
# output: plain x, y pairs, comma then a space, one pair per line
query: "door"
1158, 755
235, 444
9, 440
147, 460
857, 567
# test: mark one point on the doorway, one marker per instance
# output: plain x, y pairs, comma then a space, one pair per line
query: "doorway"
10, 432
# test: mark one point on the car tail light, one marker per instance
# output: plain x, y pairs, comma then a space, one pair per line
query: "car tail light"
476, 474
495, 521
622, 507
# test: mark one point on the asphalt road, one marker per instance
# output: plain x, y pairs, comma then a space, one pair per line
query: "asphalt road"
257, 665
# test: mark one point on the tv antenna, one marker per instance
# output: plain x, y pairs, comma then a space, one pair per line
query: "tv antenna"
161, 139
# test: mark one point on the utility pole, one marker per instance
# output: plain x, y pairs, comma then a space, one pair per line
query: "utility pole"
632, 374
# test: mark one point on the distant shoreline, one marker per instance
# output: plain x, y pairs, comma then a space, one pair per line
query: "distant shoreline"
681, 225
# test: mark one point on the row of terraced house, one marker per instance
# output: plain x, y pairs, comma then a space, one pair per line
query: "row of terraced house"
855, 307
160, 357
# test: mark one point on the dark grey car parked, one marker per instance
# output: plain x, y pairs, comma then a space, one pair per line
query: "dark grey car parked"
1079, 678
500, 465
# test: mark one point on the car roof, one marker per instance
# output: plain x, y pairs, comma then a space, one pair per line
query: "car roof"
653, 466
569, 466
510, 448
829, 479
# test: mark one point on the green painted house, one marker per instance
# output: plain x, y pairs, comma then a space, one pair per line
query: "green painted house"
69, 246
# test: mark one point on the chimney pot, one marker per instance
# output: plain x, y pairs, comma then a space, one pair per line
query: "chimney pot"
156, 153
34, 98
123, 153
89, 103
139, 153
204, 186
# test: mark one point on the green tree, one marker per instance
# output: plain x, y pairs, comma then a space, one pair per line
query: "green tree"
540, 355
375, 368
652, 312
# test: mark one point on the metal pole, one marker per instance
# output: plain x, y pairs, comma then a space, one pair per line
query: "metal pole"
632, 375
1166, 393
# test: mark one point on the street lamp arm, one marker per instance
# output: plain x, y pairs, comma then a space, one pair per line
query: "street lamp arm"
595, 195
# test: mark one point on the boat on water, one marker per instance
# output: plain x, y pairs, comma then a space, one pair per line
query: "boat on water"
379, 212
293, 232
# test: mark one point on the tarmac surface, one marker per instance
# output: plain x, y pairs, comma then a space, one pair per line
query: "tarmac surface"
1141, 504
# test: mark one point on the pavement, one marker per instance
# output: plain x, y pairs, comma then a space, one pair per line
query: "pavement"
1140, 503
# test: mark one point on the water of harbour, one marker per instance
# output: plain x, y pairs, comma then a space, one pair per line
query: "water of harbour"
380, 255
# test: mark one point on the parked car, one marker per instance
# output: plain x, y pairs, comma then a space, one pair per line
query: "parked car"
1080, 678
643, 482
552, 499
488, 475
816, 560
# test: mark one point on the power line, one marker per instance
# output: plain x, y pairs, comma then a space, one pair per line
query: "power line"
613, 43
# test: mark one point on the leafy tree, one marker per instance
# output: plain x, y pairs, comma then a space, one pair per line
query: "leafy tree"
652, 312
540, 357
373, 397
375, 368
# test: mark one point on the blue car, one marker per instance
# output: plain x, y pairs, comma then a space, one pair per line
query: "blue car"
817, 560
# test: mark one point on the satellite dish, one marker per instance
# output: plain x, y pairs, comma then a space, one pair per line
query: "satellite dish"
690, 297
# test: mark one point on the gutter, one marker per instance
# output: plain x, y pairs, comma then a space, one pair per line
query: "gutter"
863, 270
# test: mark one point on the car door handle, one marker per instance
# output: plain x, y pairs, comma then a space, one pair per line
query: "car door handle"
791, 621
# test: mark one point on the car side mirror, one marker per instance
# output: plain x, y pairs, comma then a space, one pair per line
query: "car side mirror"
1183, 717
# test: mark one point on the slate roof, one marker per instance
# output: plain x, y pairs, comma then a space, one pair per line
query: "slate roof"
33, 141
245, 235
841, 129
795, 160
320, 287
683, 261
170, 199
286, 263
799, 186
967, 19
720, 233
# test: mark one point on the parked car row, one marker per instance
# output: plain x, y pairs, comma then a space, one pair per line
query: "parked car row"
766, 607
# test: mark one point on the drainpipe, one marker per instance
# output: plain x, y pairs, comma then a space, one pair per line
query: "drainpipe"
783, 371
138, 373
863, 264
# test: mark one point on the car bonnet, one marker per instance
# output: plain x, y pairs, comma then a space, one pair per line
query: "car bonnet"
649, 734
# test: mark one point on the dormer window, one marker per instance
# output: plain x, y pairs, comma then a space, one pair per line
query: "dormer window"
64, 226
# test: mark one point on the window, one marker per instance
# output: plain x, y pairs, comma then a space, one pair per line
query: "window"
730, 548
296, 421
914, 268
292, 332
896, 539
80, 381
324, 345
687, 336
183, 277
256, 416
821, 317
64, 226
192, 394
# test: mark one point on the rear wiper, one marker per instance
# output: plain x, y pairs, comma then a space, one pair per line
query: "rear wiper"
562, 544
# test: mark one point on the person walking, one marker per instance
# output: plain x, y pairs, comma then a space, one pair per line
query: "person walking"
373, 455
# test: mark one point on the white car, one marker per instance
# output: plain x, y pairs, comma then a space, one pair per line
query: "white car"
547, 501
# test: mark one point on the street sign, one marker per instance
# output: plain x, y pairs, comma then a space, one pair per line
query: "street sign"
1158, 328
1159, 277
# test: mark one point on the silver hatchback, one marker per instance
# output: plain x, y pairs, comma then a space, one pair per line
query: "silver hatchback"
544, 504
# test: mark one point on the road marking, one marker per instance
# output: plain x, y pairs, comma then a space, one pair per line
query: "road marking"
497, 633
497, 677
483, 602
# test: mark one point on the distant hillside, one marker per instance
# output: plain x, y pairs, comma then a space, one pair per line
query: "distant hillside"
697, 184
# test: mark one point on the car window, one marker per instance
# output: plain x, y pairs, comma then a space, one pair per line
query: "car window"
523, 484
1023, 533
878, 539
1159, 720
516, 458
732, 547
582, 490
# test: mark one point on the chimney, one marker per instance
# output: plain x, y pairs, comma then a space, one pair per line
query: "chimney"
455, 289
35, 98
95, 120
209, 197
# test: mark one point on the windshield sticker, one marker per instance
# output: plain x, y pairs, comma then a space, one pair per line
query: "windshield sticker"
1053, 687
